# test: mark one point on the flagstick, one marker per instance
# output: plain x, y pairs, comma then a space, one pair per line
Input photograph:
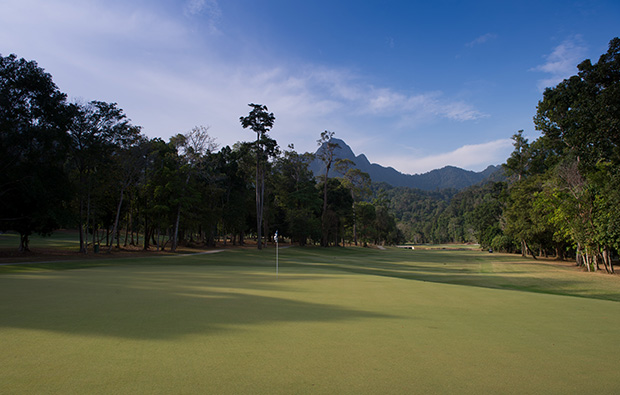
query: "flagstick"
276, 253
276, 258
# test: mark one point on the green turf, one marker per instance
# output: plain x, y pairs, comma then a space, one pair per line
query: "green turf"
334, 321
65, 239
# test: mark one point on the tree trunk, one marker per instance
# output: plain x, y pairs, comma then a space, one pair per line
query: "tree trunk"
157, 240
587, 259
325, 235
607, 255
127, 229
118, 213
83, 236
175, 240
354, 222
24, 241
605, 259
81, 230
81, 227
559, 253
259, 205
596, 258
146, 225
528, 249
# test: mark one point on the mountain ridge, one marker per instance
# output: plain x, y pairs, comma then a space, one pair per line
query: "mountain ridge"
448, 177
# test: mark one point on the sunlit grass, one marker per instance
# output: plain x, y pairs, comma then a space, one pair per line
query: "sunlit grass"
334, 320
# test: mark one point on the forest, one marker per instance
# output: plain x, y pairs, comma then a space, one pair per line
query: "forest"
560, 193
85, 166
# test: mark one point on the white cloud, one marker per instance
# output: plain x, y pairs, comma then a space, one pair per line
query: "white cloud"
472, 157
209, 8
194, 7
417, 106
168, 79
562, 62
481, 40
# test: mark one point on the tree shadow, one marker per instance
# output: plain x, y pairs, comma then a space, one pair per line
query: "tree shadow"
156, 303
458, 269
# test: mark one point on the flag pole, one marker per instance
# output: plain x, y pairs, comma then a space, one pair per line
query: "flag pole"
276, 238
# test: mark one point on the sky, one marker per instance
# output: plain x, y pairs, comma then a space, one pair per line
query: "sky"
412, 85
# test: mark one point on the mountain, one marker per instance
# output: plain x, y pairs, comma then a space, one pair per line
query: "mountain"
447, 177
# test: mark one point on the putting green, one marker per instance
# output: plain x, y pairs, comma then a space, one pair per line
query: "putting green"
331, 322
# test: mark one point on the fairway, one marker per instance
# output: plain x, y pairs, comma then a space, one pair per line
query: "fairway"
333, 321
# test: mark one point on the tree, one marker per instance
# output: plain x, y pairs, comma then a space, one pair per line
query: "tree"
260, 121
580, 118
517, 163
161, 187
358, 182
193, 147
366, 216
234, 166
98, 132
327, 155
34, 117
338, 213
386, 230
296, 198
129, 161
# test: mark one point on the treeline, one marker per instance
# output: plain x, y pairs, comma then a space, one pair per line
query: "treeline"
448, 216
562, 194
86, 166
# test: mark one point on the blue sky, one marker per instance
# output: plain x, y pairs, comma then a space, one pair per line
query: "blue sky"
413, 85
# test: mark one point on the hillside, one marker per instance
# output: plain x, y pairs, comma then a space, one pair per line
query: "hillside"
448, 177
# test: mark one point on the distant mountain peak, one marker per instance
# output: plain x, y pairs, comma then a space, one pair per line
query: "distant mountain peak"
449, 176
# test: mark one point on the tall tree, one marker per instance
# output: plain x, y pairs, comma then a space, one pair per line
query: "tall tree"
581, 117
98, 131
129, 162
193, 147
235, 170
338, 213
358, 182
296, 197
260, 121
161, 189
34, 118
517, 164
327, 154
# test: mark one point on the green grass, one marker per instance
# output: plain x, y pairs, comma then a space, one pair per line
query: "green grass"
334, 321
62, 239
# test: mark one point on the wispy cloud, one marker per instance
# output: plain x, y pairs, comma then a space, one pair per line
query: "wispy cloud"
204, 8
562, 62
472, 157
481, 40
194, 7
418, 105
168, 79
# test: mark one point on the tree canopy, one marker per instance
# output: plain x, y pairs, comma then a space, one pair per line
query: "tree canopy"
85, 165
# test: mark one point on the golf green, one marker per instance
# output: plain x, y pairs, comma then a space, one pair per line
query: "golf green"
332, 321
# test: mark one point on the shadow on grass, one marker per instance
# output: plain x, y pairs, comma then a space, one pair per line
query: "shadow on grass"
468, 268
156, 302
464, 268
